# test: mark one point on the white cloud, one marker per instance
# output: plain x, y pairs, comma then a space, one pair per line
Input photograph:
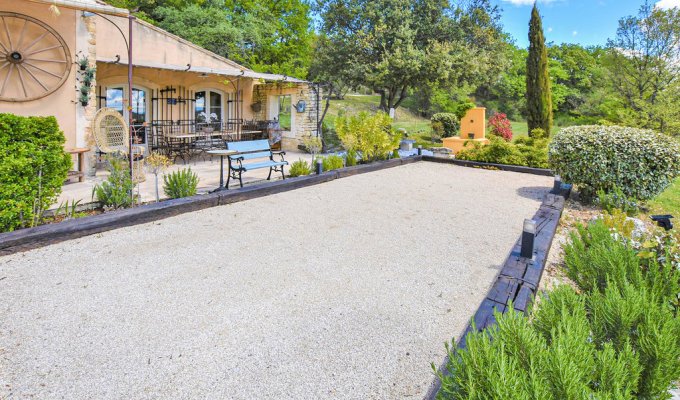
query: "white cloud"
667, 4
550, 29
574, 33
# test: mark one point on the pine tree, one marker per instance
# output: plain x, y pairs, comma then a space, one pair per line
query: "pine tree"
539, 98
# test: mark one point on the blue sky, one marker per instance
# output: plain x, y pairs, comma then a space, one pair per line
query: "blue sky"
587, 22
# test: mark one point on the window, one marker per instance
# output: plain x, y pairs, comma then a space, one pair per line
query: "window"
285, 112
114, 99
208, 102
138, 106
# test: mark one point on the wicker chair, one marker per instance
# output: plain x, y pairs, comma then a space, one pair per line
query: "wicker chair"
112, 136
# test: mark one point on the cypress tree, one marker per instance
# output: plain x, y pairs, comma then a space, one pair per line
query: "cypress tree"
539, 98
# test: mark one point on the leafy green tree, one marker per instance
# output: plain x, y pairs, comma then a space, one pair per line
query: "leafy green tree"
644, 68
267, 36
507, 94
539, 99
396, 46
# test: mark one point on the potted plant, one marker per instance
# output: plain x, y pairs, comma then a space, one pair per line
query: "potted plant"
207, 119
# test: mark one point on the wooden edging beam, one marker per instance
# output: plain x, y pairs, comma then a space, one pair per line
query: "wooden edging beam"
502, 167
31, 238
519, 278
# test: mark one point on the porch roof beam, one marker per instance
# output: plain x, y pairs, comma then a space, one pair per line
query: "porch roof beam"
233, 72
86, 6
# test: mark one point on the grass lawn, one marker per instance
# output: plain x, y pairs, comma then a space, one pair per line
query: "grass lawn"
667, 202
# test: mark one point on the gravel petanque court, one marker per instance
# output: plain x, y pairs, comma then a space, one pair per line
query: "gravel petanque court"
344, 290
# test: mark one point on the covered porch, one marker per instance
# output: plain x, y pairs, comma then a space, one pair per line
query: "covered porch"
185, 111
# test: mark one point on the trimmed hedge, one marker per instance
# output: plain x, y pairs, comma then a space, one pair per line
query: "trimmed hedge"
33, 167
449, 121
640, 162
525, 151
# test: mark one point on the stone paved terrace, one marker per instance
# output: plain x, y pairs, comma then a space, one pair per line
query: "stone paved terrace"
207, 169
342, 290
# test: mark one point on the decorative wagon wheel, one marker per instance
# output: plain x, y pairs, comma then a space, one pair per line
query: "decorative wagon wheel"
34, 59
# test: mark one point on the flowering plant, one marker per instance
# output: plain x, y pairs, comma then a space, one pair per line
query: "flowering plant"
500, 126
205, 117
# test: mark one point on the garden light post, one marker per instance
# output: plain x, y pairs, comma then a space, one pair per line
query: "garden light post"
557, 184
528, 236
319, 167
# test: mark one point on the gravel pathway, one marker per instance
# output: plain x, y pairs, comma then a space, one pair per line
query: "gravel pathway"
344, 290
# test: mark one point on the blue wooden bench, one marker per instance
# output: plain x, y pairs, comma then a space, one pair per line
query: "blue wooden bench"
249, 157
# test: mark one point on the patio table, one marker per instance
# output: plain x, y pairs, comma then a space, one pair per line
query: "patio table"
221, 153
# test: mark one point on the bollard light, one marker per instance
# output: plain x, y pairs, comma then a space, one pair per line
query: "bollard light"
420, 150
557, 184
663, 221
319, 167
528, 236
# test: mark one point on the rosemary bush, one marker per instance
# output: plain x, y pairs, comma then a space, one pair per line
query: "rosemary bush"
180, 183
116, 191
299, 168
618, 337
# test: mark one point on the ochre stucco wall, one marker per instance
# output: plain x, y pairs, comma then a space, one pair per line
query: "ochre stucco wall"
152, 45
61, 103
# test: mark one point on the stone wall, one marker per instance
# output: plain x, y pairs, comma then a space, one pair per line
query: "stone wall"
303, 124
86, 114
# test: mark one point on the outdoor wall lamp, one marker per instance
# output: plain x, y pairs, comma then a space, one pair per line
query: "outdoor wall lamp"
528, 236
301, 106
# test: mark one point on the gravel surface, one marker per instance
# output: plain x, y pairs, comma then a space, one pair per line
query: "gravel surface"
347, 289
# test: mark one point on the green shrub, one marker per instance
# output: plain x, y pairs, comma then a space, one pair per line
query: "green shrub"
331, 162
447, 124
538, 133
299, 168
351, 158
116, 191
437, 132
640, 162
497, 151
534, 150
371, 136
616, 199
180, 183
617, 338
33, 167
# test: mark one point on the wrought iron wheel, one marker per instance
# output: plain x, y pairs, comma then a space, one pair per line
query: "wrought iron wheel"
34, 59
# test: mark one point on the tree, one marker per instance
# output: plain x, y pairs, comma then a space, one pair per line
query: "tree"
267, 36
396, 46
644, 67
539, 99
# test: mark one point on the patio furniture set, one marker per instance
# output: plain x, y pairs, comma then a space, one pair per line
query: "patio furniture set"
187, 138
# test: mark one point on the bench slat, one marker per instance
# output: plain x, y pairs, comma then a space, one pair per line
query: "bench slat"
264, 164
249, 146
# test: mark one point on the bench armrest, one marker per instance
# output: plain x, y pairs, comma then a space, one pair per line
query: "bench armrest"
280, 153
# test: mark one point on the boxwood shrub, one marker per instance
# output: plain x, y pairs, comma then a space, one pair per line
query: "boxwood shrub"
640, 162
449, 122
33, 166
